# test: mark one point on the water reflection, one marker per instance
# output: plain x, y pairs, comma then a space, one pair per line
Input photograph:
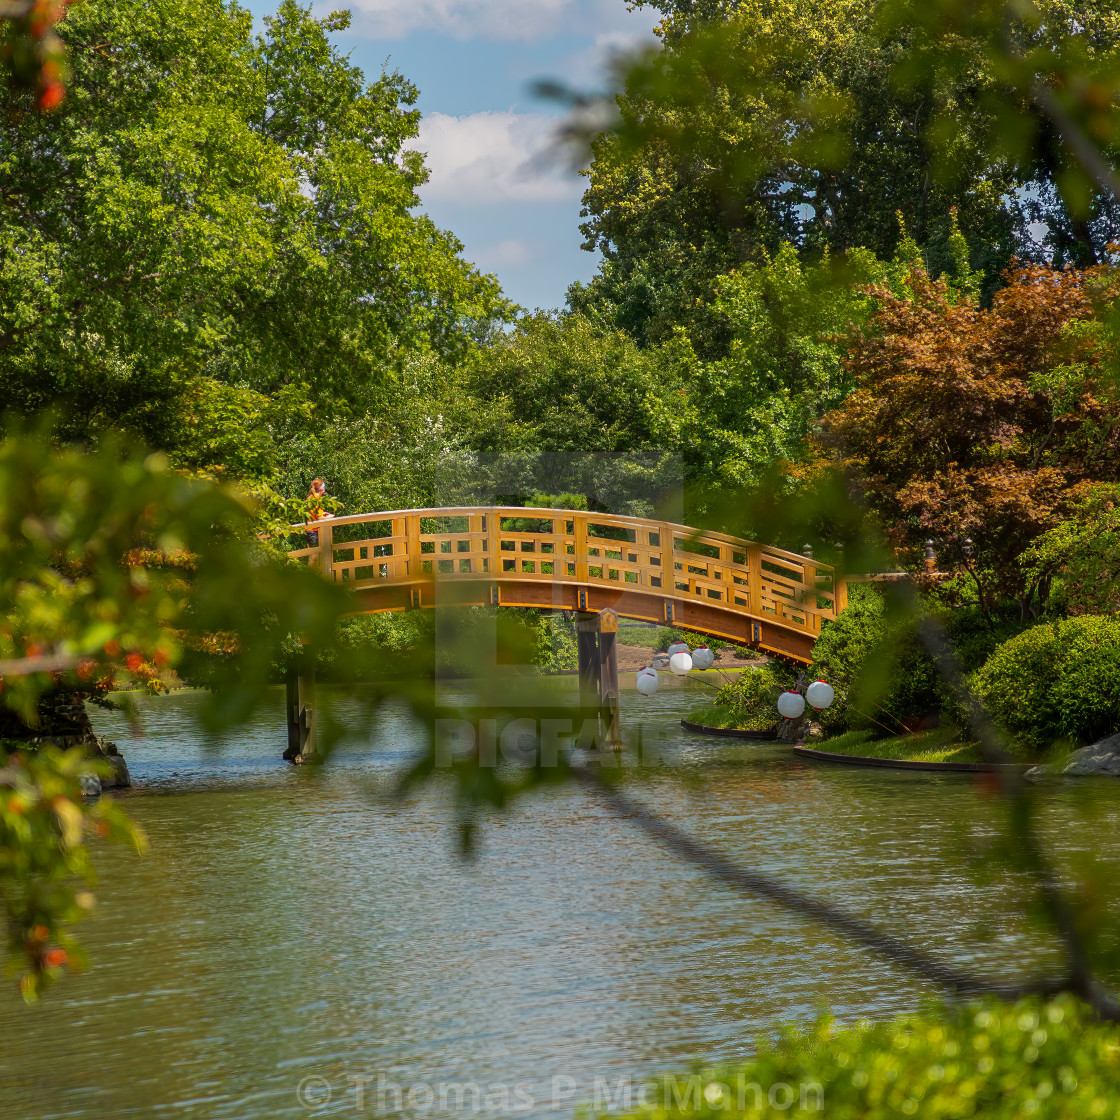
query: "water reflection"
284, 928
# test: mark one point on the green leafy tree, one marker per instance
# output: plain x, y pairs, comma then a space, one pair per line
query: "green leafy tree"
978, 427
114, 571
1080, 556
563, 387
760, 123
786, 323
207, 208
773, 124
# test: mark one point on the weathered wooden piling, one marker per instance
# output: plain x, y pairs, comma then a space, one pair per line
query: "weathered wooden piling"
300, 697
597, 648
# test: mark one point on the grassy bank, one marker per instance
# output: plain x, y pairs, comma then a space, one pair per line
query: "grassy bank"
715, 715
941, 745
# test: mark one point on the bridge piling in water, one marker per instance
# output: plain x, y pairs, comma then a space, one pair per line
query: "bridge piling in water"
597, 650
299, 688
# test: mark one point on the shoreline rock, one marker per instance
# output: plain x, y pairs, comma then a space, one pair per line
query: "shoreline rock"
101, 749
1101, 758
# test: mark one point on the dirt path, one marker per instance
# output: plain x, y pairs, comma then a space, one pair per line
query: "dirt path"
631, 658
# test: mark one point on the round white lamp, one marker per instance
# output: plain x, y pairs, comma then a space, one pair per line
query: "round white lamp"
680, 663
678, 647
791, 705
820, 695
647, 680
703, 658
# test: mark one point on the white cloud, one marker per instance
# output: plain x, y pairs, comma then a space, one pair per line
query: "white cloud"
513, 252
590, 65
519, 20
495, 157
528, 20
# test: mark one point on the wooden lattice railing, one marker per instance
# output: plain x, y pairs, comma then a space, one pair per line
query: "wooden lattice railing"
514, 546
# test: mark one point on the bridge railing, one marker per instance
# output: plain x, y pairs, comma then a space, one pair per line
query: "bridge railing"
504, 543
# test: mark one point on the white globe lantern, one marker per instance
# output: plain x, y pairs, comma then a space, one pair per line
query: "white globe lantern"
647, 680
678, 647
791, 704
703, 658
820, 695
680, 663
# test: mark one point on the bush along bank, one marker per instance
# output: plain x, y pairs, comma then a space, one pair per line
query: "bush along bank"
749, 702
1001, 1061
1046, 685
1057, 683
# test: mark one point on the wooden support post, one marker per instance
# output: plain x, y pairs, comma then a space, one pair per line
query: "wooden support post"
475, 556
587, 650
579, 526
326, 548
809, 588
608, 679
300, 696
597, 646
411, 563
493, 563
668, 568
291, 711
727, 559
754, 575
559, 559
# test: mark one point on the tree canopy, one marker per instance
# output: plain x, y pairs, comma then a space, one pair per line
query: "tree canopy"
978, 427
208, 208
758, 124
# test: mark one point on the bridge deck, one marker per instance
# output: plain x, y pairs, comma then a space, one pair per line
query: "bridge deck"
656, 571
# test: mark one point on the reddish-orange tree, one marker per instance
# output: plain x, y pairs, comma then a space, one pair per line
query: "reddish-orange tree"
976, 426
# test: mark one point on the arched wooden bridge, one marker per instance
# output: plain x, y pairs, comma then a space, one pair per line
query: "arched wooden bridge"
655, 571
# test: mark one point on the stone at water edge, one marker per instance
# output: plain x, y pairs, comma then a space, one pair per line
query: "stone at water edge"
120, 778
105, 751
1099, 758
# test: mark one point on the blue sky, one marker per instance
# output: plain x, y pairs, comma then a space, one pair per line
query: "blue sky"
487, 138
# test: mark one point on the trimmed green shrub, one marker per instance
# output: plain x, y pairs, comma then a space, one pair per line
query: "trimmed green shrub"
999, 1061
750, 701
1057, 682
884, 680
975, 639
667, 635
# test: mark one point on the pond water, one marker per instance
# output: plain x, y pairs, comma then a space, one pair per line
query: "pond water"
292, 930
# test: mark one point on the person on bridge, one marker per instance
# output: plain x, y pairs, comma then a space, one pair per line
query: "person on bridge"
315, 511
